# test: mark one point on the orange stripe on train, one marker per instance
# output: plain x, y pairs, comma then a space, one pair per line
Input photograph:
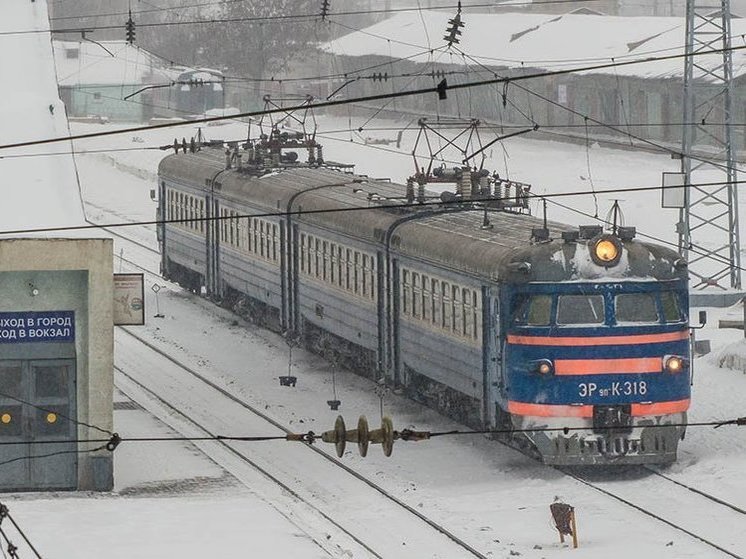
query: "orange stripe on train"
586, 410
564, 367
598, 340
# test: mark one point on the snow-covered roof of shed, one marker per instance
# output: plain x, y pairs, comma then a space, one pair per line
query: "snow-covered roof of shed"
89, 63
541, 41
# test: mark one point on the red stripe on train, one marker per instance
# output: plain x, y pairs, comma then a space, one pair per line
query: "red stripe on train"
586, 410
598, 340
567, 367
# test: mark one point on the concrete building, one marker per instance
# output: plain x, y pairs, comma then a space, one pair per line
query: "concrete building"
95, 78
56, 363
644, 99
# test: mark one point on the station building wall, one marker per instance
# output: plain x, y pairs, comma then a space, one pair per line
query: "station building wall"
56, 361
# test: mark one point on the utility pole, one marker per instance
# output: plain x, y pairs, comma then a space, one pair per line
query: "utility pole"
708, 225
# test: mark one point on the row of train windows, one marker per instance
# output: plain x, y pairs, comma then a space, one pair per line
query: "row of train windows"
448, 307
188, 209
629, 308
251, 235
346, 268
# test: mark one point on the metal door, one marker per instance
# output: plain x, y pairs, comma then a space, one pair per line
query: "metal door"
36, 399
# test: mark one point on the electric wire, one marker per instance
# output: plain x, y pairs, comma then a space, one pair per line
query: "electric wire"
456, 205
311, 437
57, 413
439, 89
307, 17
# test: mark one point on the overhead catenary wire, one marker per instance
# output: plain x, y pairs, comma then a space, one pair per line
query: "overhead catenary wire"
312, 437
305, 17
456, 205
439, 89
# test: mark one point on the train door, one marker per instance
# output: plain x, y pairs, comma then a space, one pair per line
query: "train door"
492, 347
36, 398
161, 216
215, 226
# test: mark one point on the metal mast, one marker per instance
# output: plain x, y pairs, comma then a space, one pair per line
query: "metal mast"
708, 231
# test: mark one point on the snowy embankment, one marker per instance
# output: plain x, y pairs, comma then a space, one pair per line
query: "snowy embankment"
45, 191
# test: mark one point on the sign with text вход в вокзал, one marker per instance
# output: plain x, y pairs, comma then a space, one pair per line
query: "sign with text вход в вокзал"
37, 326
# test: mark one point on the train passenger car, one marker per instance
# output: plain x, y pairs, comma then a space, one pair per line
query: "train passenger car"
469, 304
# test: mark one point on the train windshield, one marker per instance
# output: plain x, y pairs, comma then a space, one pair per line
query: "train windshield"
636, 307
534, 310
580, 309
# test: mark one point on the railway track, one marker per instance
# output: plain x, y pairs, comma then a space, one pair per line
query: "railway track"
704, 525
712, 521
385, 526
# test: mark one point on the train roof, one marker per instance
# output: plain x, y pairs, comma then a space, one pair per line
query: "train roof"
465, 242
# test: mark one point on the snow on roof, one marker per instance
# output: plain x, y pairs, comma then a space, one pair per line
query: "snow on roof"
540, 41
38, 190
85, 62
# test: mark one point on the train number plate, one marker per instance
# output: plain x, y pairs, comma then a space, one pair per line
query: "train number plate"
612, 389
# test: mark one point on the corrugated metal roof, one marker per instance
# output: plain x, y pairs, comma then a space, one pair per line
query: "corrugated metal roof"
539, 41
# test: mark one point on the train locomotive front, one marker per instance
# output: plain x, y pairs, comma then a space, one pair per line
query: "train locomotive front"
596, 338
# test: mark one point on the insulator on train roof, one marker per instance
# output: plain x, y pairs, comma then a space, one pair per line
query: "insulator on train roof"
540, 234
289, 157
448, 197
626, 233
410, 190
570, 236
587, 232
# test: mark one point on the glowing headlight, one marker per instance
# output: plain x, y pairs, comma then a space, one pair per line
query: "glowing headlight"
674, 363
606, 251
543, 367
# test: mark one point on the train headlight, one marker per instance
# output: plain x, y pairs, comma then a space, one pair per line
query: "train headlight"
674, 364
543, 367
606, 250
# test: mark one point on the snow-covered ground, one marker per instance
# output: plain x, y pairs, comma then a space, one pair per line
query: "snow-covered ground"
489, 495
193, 500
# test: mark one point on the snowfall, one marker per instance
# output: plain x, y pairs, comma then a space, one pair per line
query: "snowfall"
192, 500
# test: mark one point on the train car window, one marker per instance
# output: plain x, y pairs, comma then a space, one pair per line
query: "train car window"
348, 271
303, 252
373, 278
404, 292
636, 307
416, 295
340, 266
247, 246
447, 308
232, 224
333, 263
364, 277
580, 309
327, 264
458, 311
477, 305
468, 313
437, 302
670, 305
202, 215
356, 271
427, 305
